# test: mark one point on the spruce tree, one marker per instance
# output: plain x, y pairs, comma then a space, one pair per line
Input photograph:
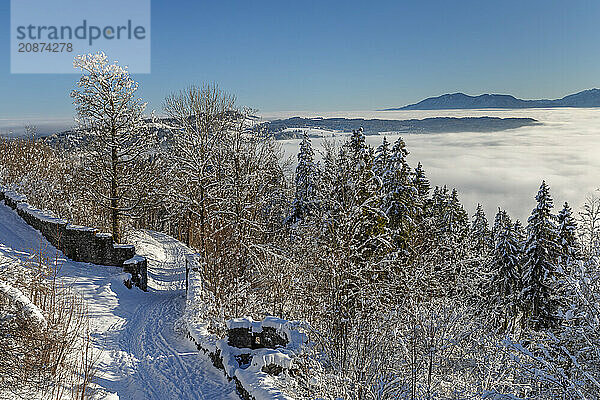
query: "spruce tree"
480, 232
567, 235
439, 204
539, 297
400, 196
498, 224
354, 233
421, 182
356, 216
520, 232
456, 218
382, 158
506, 272
306, 182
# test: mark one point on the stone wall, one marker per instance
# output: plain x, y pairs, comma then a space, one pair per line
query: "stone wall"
253, 353
80, 243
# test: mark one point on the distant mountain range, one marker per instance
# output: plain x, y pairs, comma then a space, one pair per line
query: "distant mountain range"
586, 98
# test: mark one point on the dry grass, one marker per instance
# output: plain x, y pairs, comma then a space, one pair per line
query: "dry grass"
50, 361
50, 178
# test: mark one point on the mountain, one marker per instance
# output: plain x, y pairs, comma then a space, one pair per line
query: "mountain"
586, 98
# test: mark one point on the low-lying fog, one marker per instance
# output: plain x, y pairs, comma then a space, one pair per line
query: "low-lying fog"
501, 169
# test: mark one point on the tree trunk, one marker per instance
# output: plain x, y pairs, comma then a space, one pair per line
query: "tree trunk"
114, 204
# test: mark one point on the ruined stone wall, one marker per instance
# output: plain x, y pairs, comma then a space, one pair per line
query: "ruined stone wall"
80, 243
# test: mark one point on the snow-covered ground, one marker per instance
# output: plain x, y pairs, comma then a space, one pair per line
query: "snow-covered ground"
141, 353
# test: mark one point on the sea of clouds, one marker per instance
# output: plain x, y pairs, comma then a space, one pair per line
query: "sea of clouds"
12, 127
499, 169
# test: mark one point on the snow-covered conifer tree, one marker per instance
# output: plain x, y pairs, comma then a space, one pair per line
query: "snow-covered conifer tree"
421, 182
355, 240
382, 158
401, 200
456, 218
540, 298
506, 272
306, 180
498, 223
480, 231
567, 235
520, 232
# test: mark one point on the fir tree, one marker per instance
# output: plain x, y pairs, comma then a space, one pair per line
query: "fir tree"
356, 210
382, 158
400, 196
421, 182
540, 300
360, 154
306, 180
498, 224
567, 235
456, 218
520, 232
506, 272
439, 203
480, 232
354, 232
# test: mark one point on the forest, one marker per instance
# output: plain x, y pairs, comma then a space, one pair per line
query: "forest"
402, 293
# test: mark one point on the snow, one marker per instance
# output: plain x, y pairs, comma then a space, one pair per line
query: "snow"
141, 354
123, 246
134, 260
265, 357
15, 197
41, 215
245, 323
228, 353
29, 310
81, 228
289, 329
257, 383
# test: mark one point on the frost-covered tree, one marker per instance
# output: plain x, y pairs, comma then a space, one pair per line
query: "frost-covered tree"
401, 199
362, 199
505, 284
520, 232
567, 235
117, 154
353, 244
439, 203
456, 218
382, 158
421, 182
589, 224
445, 234
540, 298
498, 223
306, 181
200, 118
480, 231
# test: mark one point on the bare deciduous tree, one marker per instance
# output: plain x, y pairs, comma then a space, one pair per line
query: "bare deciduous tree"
589, 223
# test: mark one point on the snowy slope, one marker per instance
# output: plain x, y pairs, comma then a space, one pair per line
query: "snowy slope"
141, 355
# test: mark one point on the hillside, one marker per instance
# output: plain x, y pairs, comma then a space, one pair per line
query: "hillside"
281, 127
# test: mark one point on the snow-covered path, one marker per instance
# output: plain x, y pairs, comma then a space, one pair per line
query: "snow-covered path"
142, 355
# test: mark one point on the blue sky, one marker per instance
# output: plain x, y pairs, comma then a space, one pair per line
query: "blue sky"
344, 55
